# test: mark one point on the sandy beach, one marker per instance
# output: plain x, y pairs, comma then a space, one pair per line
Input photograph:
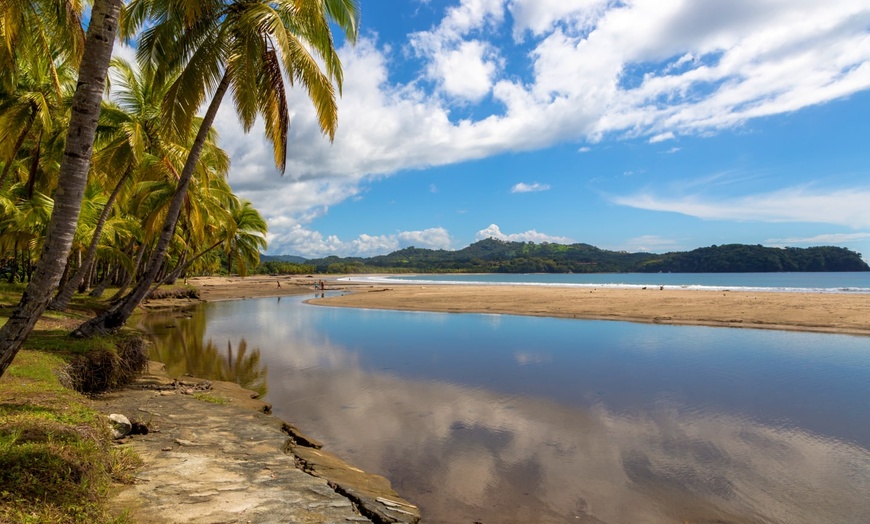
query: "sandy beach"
817, 312
832, 313
212, 289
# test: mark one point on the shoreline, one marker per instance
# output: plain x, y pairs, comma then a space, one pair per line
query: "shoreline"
196, 423
841, 313
809, 312
218, 444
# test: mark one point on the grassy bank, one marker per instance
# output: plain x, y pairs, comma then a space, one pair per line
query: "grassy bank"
57, 460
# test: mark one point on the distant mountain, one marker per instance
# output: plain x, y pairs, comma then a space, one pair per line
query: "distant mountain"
498, 256
282, 258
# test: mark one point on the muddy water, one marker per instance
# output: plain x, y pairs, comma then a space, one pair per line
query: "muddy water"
494, 418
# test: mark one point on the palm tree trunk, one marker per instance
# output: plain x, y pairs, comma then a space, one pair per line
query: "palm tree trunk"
14, 272
174, 274
129, 276
115, 317
101, 287
61, 300
72, 178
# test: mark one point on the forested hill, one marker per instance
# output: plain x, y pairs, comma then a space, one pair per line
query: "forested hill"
497, 256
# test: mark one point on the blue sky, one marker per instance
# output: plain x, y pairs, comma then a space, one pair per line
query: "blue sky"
644, 125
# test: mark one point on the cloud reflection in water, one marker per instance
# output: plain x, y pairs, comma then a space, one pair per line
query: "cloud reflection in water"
466, 452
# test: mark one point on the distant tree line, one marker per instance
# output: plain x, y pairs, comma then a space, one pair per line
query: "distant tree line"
498, 256
276, 267
739, 258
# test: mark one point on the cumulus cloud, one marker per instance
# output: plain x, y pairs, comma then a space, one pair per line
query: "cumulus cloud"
649, 244
522, 187
464, 72
591, 69
493, 231
718, 65
301, 241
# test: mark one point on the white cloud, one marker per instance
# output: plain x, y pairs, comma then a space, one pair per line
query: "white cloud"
818, 240
584, 149
541, 16
432, 238
661, 137
591, 69
522, 187
843, 207
464, 72
649, 244
125, 52
298, 240
747, 59
468, 16
493, 231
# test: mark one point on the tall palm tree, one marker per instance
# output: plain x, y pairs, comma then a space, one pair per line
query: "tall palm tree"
133, 116
72, 178
240, 44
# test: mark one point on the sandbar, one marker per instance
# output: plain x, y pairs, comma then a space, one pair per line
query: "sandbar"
817, 312
845, 313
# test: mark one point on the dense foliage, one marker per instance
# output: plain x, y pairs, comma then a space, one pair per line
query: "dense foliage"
497, 256
739, 258
276, 267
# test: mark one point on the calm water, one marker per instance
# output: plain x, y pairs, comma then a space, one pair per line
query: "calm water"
496, 418
843, 282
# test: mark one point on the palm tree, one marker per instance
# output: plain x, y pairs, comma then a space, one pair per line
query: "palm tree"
72, 177
47, 30
23, 223
34, 112
242, 233
134, 118
240, 44
246, 236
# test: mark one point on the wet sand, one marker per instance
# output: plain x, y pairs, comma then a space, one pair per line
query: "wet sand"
231, 288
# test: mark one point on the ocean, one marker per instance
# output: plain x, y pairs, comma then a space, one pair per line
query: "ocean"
842, 282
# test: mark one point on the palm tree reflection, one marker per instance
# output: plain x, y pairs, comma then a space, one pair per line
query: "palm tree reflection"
179, 343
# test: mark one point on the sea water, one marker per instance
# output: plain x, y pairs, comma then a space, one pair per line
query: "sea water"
499, 418
843, 282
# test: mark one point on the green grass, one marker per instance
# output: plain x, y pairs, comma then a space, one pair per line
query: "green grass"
57, 459
205, 397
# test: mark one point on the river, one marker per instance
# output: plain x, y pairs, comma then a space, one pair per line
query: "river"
503, 419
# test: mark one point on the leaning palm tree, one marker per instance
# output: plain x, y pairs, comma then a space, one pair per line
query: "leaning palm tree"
72, 178
135, 142
34, 113
242, 45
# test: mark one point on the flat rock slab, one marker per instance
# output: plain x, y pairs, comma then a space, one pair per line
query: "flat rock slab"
212, 463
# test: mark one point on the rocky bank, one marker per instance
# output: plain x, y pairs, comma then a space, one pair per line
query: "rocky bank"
213, 454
